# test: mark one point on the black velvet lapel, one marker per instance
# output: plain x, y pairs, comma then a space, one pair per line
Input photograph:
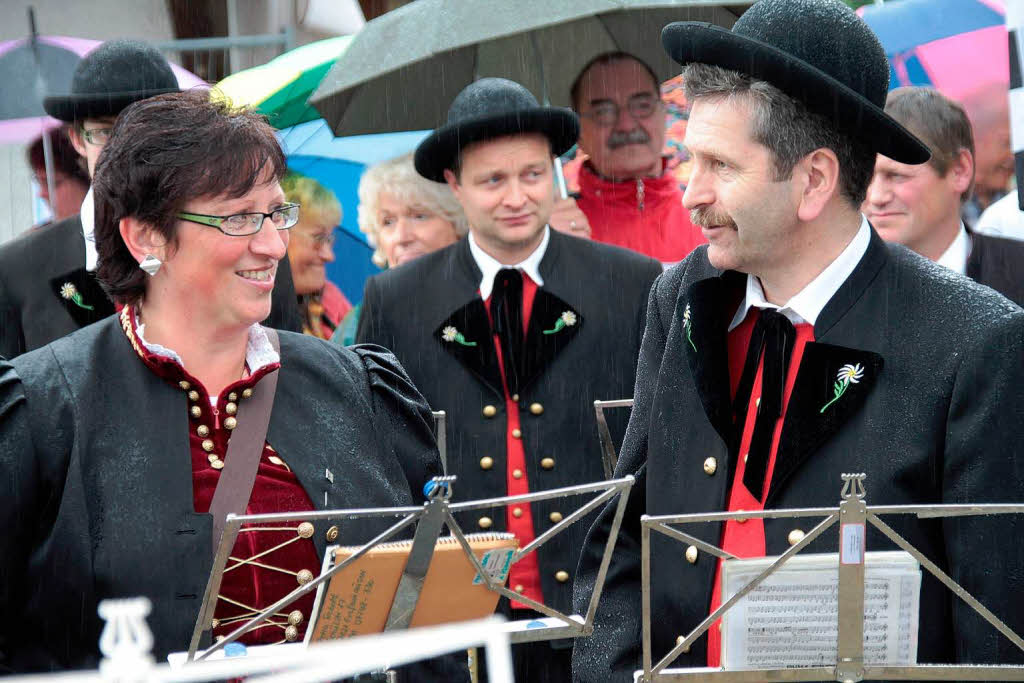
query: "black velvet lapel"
82, 297
553, 324
466, 334
704, 315
821, 403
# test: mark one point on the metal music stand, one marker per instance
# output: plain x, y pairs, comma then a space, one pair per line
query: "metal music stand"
850, 664
440, 435
430, 519
609, 457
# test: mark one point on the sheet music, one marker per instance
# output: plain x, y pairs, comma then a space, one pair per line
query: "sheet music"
791, 619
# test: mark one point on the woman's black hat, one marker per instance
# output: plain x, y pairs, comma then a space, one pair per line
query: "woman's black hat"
819, 52
487, 109
108, 79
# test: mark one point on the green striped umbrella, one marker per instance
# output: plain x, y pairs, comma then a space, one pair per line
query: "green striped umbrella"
281, 87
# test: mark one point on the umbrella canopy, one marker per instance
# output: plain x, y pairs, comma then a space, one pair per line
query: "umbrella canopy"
279, 89
338, 163
956, 46
22, 117
402, 71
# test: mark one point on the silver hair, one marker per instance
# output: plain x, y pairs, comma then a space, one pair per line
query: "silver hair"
785, 126
398, 177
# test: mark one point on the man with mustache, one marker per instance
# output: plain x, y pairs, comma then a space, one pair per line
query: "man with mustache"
798, 346
626, 194
918, 206
514, 331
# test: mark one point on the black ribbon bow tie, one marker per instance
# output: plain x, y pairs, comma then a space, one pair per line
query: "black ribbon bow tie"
507, 321
773, 337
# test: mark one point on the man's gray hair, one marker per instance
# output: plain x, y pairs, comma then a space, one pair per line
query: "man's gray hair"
785, 126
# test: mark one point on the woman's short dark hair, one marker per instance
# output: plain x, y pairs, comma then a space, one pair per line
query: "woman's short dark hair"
164, 152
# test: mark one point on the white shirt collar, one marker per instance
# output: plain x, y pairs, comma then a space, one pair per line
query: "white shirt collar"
88, 218
956, 254
807, 304
489, 266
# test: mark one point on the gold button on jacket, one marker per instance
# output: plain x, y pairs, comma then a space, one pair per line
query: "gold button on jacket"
561, 576
486, 462
536, 408
490, 411
710, 466
485, 522
555, 517
795, 536
691, 554
548, 463
332, 534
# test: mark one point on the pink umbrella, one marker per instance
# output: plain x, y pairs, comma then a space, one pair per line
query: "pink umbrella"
24, 128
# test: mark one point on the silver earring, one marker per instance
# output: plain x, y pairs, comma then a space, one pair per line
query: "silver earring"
151, 264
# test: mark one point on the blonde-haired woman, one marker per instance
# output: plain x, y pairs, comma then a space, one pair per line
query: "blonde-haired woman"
321, 304
404, 216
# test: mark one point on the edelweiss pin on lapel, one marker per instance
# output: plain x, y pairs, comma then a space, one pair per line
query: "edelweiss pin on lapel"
451, 334
847, 375
70, 292
688, 326
567, 319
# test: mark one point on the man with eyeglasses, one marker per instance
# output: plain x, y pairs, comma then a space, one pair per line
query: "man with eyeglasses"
48, 287
626, 193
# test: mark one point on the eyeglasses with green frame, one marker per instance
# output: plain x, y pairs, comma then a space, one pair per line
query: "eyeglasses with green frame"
242, 224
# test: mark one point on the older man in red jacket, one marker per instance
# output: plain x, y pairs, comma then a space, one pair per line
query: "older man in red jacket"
627, 196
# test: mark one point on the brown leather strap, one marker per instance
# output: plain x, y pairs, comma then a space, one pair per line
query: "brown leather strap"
245, 448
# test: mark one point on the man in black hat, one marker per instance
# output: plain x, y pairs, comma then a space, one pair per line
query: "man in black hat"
514, 331
48, 287
798, 346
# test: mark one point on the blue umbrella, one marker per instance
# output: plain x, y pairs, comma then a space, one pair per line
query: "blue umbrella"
953, 45
338, 163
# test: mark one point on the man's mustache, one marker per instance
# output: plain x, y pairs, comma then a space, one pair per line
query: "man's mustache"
705, 217
637, 136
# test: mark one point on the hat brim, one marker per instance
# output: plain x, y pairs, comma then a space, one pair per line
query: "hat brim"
440, 151
96, 105
696, 42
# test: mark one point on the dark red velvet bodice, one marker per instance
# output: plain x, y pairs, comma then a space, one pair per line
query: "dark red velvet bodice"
277, 559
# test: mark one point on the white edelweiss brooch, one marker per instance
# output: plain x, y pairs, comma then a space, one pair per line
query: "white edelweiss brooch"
567, 319
451, 334
688, 326
71, 293
847, 375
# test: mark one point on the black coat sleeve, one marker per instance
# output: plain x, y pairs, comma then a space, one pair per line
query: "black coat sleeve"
403, 418
612, 653
984, 463
19, 503
12, 342
284, 305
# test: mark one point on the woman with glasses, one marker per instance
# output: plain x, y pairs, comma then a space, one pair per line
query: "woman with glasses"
311, 248
116, 441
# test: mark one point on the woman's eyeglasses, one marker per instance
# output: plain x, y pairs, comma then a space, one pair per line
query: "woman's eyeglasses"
242, 224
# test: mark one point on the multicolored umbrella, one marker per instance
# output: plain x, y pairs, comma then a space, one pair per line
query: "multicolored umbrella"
338, 163
956, 46
50, 63
281, 87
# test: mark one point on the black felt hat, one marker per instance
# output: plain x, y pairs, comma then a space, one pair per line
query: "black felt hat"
108, 79
487, 109
819, 52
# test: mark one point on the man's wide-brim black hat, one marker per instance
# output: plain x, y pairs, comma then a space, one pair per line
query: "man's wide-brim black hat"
487, 109
111, 77
819, 52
